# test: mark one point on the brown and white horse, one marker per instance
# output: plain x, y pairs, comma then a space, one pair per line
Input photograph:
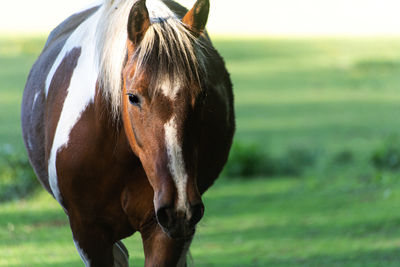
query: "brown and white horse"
128, 119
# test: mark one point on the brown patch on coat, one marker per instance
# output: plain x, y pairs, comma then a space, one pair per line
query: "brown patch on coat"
58, 91
33, 117
103, 184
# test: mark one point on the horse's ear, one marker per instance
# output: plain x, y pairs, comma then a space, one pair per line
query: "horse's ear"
196, 18
138, 22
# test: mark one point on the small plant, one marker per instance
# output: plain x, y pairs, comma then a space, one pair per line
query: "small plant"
251, 161
296, 160
343, 157
387, 156
377, 66
248, 160
17, 178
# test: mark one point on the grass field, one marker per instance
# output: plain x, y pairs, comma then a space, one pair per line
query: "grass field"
283, 222
325, 95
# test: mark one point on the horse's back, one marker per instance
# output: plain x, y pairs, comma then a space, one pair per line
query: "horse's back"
33, 111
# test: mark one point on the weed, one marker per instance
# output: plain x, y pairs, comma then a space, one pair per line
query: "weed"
387, 155
17, 179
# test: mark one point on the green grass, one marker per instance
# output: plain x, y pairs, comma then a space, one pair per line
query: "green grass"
329, 95
325, 94
16, 58
283, 222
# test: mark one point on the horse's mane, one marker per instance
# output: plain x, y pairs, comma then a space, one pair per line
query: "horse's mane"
168, 50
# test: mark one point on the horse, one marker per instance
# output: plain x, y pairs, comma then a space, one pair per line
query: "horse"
128, 118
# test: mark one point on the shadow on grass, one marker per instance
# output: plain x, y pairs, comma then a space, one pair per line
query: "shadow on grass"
384, 257
389, 229
38, 218
76, 263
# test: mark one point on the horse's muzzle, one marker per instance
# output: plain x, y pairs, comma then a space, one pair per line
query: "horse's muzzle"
180, 224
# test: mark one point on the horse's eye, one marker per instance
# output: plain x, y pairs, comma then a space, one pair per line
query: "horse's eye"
134, 99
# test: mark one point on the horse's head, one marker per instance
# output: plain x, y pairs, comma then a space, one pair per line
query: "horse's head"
162, 110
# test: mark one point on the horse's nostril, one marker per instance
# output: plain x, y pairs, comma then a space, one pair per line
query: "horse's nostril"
176, 222
164, 216
197, 213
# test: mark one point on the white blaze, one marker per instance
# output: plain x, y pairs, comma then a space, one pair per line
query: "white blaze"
176, 162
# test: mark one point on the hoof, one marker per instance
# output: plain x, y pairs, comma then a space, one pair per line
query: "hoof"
121, 255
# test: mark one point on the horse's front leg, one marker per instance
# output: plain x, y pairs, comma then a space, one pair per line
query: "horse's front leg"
161, 250
96, 248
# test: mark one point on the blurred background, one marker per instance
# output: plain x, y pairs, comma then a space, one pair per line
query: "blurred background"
314, 175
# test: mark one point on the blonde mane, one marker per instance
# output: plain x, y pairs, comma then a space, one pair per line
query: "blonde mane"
168, 47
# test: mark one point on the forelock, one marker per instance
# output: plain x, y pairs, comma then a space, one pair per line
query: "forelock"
170, 56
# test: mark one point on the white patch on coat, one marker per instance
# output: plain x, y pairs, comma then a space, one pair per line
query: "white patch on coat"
67, 46
30, 145
83, 255
81, 91
29, 137
176, 162
35, 99
91, 5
